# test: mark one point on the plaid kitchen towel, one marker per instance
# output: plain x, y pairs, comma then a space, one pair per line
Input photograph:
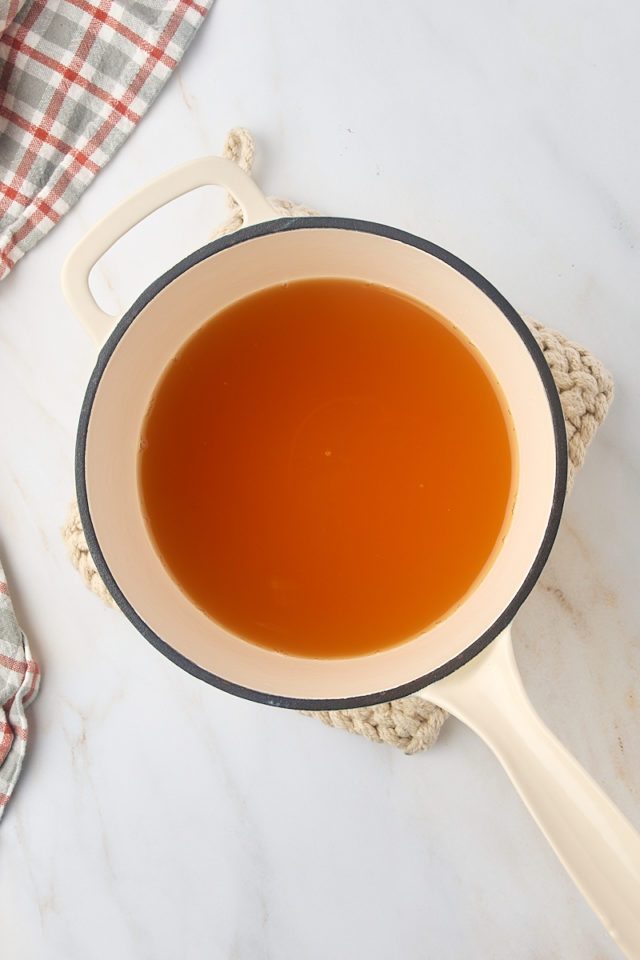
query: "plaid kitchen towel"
75, 78
19, 681
8, 12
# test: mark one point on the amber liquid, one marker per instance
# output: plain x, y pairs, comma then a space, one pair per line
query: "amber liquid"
326, 468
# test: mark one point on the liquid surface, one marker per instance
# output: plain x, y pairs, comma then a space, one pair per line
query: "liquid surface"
325, 468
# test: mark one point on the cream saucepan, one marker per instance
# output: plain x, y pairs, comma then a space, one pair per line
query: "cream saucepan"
465, 662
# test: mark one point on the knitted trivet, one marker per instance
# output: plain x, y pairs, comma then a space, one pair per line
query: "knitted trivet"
585, 389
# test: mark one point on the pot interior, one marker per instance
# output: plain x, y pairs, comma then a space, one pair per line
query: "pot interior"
151, 334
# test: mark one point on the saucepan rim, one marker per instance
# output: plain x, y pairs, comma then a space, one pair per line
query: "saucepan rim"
557, 419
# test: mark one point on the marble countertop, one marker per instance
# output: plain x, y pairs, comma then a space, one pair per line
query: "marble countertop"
159, 817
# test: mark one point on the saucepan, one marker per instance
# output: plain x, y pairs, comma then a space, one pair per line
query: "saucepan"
464, 662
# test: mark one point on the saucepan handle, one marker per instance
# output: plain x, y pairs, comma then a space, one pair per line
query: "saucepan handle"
597, 845
217, 171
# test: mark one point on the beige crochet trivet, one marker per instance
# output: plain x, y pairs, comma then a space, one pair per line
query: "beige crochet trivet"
585, 389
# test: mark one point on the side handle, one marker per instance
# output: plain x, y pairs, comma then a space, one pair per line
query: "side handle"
216, 171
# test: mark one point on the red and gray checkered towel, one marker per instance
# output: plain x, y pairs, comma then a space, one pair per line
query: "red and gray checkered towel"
19, 680
76, 76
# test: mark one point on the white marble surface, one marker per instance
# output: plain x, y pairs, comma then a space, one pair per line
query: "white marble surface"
158, 817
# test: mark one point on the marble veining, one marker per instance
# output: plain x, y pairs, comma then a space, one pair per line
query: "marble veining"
157, 816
